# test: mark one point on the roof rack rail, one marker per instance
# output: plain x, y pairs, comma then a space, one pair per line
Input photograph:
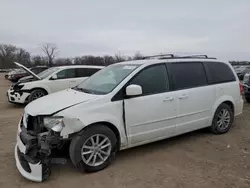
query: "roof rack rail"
172, 56
190, 56
161, 56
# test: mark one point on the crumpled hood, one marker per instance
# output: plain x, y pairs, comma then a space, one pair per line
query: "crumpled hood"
57, 101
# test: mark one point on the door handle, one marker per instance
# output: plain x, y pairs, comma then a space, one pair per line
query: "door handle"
168, 99
72, 81
183, 96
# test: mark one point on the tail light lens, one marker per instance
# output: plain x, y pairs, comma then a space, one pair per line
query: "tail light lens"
241, 88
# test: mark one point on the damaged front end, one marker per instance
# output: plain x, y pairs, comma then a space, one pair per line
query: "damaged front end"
35, 144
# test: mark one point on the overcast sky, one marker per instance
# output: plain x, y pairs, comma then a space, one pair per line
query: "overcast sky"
216, 27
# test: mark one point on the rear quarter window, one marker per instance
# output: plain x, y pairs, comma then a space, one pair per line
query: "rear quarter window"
218, 72
86, 72
187, 75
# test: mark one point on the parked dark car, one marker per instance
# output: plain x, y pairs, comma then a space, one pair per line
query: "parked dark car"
16, 75
246, 87
242, 71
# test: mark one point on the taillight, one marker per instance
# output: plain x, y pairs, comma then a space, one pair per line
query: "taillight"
241, 88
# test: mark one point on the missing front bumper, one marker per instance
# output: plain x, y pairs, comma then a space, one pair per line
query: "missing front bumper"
34, 170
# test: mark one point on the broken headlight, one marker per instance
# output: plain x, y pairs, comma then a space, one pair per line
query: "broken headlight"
54, 123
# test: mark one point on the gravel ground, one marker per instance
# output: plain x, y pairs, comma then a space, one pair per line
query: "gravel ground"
197, 159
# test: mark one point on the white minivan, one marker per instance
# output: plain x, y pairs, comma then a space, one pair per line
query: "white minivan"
49, 81
125, 105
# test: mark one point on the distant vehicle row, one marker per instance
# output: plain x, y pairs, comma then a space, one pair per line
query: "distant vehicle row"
241, 71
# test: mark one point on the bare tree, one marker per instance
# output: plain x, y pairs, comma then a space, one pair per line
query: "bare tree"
23, 57
7, 55
138, 56
51, 51
119, 57
38, 60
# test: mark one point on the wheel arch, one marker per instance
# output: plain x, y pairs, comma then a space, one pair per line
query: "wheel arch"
229, 103
35, 88
226, 100
110, 126
40, 88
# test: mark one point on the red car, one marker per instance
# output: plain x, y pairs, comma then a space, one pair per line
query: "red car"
20, 73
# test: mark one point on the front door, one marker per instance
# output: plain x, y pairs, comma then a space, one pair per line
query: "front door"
63, 81
151, 116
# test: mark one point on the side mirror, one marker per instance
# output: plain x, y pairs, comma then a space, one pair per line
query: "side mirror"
133, 90
54, 77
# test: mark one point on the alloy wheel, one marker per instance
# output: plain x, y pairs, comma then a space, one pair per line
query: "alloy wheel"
96, 150
223, 119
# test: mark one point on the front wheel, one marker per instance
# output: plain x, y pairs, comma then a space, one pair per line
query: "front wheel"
223, 119
37, 93
94, 149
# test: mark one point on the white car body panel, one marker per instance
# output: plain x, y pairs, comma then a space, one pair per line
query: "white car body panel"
193, 111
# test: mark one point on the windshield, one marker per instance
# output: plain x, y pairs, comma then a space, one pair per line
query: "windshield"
47, 72
105, 80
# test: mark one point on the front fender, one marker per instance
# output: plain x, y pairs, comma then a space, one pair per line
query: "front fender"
75, 125
33, 86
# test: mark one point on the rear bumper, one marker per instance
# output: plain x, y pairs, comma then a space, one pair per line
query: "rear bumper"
239, 107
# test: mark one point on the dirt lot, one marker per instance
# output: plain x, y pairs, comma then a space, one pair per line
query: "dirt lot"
198, 159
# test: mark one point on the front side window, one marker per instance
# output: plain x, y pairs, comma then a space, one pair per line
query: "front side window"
66, 73
219, 72
107, 79
47, 72
187, 75
152, 79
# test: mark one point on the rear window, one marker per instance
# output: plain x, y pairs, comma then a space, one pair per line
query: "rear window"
187, 75
66, 73
219, 72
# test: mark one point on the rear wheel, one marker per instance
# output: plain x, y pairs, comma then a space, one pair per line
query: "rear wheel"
94, 149
223, 119
37, 93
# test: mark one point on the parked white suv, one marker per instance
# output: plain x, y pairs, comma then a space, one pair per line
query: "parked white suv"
49, 81
126, 105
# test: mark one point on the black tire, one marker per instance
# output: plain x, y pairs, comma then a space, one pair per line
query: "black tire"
75, 150
34, 93
247, 99
215, 127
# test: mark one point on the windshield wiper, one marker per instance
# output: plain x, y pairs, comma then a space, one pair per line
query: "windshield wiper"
82, 89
